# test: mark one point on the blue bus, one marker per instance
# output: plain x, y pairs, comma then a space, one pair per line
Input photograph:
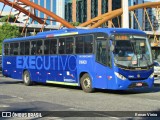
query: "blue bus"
103, 58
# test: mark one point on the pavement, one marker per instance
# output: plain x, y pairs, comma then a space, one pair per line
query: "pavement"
15, 96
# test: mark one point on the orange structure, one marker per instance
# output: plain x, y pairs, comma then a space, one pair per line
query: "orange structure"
47, 12
74, 11
98, 21
38, 7
88, 9
99, 7
109, 10
92, 23
19, 8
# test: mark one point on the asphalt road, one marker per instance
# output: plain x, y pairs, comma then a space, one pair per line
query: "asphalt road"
14, 96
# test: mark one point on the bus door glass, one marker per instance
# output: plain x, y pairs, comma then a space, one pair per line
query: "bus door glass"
102, 69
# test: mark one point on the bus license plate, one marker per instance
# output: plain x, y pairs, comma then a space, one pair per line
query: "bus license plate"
139, 84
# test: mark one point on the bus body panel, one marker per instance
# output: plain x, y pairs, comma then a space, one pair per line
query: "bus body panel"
133, 78
84, 63
134, 74
42, 68
127, 84
103, 75
9, 68
67, 68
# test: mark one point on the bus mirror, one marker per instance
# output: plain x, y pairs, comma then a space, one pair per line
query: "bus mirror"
112, 37
112, 48
158, 57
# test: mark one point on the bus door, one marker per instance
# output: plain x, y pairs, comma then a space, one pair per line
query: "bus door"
103, 63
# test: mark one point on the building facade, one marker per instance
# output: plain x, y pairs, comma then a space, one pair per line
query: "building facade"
55, 6
139, 14
154, 16
83, 10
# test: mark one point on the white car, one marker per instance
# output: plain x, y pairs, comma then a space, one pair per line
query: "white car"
156, 69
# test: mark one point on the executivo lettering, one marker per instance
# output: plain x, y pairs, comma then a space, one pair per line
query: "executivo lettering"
46, 62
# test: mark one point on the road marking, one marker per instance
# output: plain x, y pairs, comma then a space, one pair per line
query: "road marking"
20, 98
4, 106
72, 108
17, 97
114, 118
53, 118
14, 96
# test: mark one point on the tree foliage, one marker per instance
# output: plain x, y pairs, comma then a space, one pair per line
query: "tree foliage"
5, 18
8, 31
75, 23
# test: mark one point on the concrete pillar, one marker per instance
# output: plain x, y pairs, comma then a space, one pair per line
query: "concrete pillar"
74, 10
99, 7
109, 9
125, 16
88, 9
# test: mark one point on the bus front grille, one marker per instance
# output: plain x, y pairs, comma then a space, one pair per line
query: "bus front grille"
134, 79
134, 85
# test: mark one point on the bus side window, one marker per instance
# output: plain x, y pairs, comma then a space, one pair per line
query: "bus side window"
88, 44
39, 47
22, 48
53, 46
11, 48
62, 46
33, 47
27, 46
16, 49
46, 46
69, 45
79, 44
6, 49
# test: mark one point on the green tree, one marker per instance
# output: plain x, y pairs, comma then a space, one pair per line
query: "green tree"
11, 19
8, 31
75, 23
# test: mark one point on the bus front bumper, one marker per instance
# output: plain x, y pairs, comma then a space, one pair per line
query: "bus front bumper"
136, 84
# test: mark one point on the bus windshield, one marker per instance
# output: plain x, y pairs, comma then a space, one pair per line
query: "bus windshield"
132, 51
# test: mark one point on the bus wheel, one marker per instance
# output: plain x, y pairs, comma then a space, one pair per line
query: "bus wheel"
26, 78
86, 83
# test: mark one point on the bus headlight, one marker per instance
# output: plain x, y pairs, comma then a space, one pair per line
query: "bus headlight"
120, 76
152, 75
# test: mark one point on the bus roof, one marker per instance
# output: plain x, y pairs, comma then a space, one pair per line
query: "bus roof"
72, 31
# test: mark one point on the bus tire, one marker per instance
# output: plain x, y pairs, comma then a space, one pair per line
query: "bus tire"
26, 78
86, 83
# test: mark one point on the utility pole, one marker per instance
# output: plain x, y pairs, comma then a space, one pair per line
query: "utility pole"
125, 16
